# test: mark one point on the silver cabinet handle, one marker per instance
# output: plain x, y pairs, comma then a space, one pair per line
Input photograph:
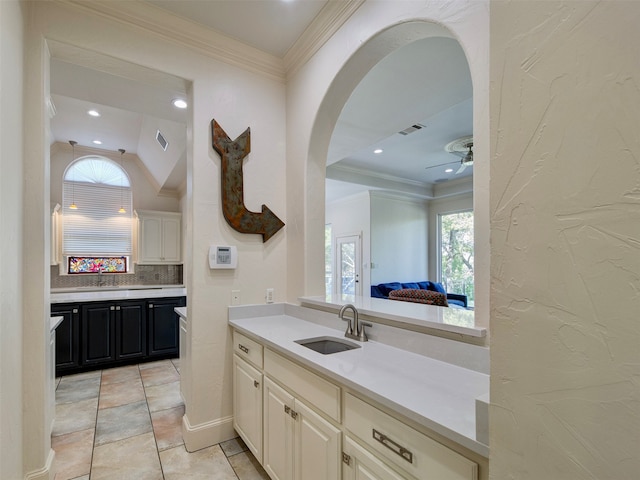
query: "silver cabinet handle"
75, 310
117, 307
151, 305
243, 348
112, 308
393, 446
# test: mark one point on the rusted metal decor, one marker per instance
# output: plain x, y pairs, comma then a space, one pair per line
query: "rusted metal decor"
232, 153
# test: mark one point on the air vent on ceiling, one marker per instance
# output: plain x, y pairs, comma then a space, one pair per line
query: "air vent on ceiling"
162, 141
412, 129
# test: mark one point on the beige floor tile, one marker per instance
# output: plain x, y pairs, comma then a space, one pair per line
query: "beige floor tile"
121, 422
134, 458
73, 454
233, 446
120, 374
74, 417
167, 427
164, 396
159, 374
209, 463
157, 363
116, 394
75, 388
247, 467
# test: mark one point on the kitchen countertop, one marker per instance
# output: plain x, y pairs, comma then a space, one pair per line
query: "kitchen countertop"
437, 395
454, 320
129, 292
55, 321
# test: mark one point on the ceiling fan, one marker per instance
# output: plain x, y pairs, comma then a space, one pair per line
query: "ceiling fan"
463, 148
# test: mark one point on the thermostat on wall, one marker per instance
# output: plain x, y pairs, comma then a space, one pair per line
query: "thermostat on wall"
221, 256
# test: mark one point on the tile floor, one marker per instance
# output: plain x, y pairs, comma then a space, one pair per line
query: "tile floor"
125, 423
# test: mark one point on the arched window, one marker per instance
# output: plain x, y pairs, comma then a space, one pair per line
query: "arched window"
97, 227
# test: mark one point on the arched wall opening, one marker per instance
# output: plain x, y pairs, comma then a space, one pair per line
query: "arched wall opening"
346, 80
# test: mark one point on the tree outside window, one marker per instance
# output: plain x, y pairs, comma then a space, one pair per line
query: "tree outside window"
456, 253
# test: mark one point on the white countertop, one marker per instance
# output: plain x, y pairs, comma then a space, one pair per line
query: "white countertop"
450, 319
55, 321
182, 311
131, 292
435, 394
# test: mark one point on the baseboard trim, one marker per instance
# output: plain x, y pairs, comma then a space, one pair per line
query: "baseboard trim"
197, 437
45, 473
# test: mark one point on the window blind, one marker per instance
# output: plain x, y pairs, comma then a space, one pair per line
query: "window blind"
96, 227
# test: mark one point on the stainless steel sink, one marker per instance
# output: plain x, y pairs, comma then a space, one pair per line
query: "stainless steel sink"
327, 345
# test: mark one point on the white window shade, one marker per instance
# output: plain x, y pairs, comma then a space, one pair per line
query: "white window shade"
96, 227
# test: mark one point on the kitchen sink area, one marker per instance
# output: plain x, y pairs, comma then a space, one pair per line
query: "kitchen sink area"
327, 345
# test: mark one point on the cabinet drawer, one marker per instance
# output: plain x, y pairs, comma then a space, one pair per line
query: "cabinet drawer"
248, 349
403, 446
317, 391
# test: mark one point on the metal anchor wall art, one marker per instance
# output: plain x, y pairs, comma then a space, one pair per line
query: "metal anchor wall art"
232, 153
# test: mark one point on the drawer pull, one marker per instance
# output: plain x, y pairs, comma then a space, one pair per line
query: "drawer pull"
256, 383
243, 348
393, 446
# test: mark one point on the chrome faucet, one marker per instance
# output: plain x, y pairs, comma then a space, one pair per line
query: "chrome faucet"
355, 330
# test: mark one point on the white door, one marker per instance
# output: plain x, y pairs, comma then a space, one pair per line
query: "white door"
317, 446
247, 405
348, 265
278, 432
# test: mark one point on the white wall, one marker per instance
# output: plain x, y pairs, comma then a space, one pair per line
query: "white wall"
11, 191
350, 216
458, 203
565, 230
237, 99
399, 240
319, 90
145, 195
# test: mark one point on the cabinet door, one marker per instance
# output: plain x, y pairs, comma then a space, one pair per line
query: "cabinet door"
164, 327
98, 333
150, 239
317, 446
360, 464
247, 405
171, 240
67, 337
278, 432
131, 330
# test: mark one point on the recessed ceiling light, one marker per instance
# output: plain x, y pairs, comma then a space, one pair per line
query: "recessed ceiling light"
93, 113
377, 150
97, 142
448, 170
179, 103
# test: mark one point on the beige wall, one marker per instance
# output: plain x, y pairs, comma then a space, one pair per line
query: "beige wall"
565, 230
11, 191
319, 90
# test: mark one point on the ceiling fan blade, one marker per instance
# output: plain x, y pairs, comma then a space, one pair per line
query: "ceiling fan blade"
441, 165
461, 169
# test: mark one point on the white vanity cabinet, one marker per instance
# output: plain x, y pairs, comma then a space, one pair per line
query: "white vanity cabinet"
299, 443
158, 237
314, 428
247, 392
360, 464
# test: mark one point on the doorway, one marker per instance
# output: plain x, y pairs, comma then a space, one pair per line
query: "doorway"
348, 261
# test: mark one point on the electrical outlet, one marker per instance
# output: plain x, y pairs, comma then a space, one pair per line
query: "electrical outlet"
269, 296
235, 297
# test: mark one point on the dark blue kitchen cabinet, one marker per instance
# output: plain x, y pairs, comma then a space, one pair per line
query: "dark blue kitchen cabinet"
164, 328
114, 333
67, 337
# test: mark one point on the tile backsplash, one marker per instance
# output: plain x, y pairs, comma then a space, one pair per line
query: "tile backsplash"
144, 275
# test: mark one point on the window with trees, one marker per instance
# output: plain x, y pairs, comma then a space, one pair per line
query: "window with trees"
456, 253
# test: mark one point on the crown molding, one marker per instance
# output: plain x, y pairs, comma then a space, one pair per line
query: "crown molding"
185, 32
332, 16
